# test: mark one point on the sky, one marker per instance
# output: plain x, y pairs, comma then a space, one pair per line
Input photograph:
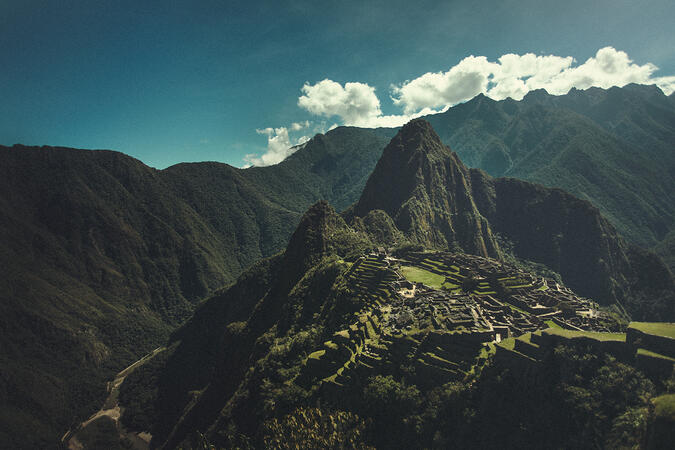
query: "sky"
242, 82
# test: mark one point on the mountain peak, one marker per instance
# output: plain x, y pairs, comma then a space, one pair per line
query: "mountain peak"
536, 94
424, 187
417, 126
321, 232
416, 136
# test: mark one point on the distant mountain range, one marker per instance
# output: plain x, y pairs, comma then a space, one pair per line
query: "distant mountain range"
613, 147
105, 256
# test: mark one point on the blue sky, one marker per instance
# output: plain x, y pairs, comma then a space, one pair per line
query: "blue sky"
172, 81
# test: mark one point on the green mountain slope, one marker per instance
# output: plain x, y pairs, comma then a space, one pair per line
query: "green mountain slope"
612, 147
426, 191
384, 336
104, 256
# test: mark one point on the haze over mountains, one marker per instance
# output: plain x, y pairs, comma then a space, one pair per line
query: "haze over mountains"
106, 256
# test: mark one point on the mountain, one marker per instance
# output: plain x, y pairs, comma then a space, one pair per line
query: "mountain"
438, 202
105, 256
213, 350
337, 341
612, 147
426, 191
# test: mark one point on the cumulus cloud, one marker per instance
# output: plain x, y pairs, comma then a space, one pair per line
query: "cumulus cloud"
431, 90
279, 146
354, 103
515, 75
667, 84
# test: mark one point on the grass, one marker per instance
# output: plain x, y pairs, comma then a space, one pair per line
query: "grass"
317, 354
508, 343
643, 351
487, 350
417, 275
589, 334
666, 329
515, 308
438, 358
552, 324
527, 337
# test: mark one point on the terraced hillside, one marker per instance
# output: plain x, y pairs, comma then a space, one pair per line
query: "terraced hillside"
431, 347
649, 346
440, 313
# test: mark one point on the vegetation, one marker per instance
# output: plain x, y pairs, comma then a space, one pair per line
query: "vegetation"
571, 334
314, 428
657, 328
612, 147
104, 258
417, 275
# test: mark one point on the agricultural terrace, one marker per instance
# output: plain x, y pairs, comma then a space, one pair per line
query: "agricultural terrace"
665, 329
441, 315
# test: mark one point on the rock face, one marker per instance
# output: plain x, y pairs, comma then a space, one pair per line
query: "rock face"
436, 201
426, 190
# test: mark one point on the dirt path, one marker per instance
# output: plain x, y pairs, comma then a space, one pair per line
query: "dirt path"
111, 409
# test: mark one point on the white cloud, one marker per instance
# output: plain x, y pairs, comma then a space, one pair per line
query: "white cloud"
279, 146
667, 84
432, 90
515, 75
297, 126
354, 103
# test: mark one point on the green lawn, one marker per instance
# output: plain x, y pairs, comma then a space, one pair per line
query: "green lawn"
417, 275
642, 351
515, 308
508, 343
589, 334
657, 328
552, 324
317, 354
